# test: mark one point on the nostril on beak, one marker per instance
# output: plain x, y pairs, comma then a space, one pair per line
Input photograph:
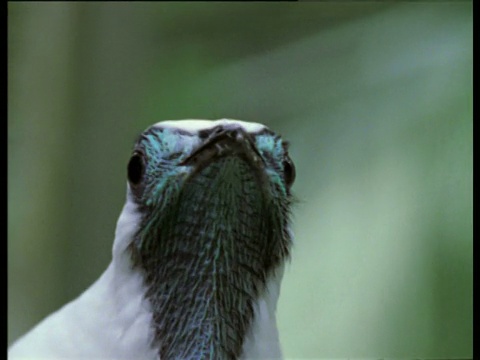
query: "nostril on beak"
221, 140
233, 133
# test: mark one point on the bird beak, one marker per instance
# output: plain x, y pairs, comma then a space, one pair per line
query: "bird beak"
223, 142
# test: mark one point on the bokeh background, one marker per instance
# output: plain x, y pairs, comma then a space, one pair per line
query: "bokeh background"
375, 98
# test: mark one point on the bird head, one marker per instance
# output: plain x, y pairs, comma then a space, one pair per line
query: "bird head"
206, 223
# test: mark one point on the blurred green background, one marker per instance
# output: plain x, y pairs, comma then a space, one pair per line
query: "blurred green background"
375, 98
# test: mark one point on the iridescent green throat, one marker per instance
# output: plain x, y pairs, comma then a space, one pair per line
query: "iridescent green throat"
206, 257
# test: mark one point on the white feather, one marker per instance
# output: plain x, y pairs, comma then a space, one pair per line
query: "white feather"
194, 126
112, 319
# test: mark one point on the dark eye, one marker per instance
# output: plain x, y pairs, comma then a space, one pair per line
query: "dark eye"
136, 168
288, 171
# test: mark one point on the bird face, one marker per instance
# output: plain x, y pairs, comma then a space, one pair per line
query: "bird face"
214, 201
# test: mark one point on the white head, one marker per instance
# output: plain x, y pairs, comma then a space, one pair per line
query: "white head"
207, 224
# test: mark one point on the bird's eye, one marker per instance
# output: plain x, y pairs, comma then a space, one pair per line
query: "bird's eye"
136, 168
288, 171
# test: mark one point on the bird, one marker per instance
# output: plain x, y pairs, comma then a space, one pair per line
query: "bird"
198, 256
